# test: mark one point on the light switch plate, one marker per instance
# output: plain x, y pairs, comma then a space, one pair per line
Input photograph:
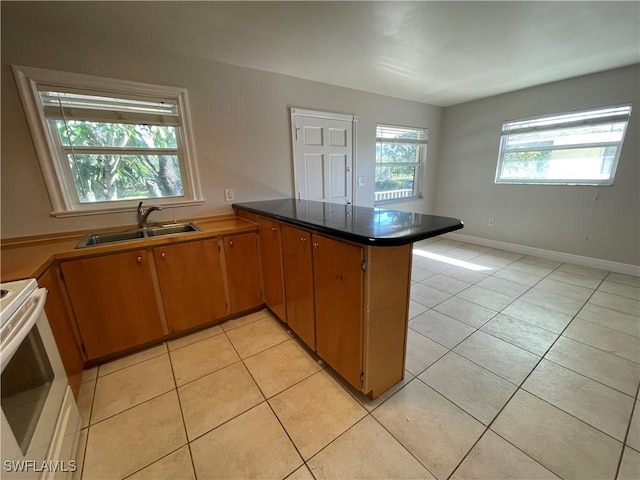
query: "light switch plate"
361, 181
228, 194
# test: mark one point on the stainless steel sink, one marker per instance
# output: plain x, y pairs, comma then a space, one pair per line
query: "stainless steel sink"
94, 239
174, 228
111, 237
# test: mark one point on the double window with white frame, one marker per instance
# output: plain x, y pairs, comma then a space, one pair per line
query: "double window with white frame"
105, 144
400, 157
575, 148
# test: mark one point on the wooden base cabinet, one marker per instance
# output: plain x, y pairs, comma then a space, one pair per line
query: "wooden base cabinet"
299, 287
348, 302
272, 266
114, 301
243, 271
338, 273
387, 283
62, 325
192, 283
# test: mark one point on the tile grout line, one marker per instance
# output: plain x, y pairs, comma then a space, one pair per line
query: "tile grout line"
398, 440
304, 462
634, 408
184, 423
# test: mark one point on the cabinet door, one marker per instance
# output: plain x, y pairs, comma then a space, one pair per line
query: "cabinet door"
114, 301
339, 283
243, 271
298, 276
62, 325
272, 267
191, 282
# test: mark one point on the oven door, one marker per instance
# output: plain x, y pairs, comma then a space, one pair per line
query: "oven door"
33, 388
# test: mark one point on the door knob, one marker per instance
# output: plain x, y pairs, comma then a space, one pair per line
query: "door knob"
163, 255
139, 259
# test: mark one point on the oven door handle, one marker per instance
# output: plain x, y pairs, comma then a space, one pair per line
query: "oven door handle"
29, 314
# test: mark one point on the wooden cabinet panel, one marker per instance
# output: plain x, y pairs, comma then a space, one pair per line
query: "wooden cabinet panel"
272, 266
114, 301
298, 275
243, 271
191, 281
62, 325
339, 289
387, 287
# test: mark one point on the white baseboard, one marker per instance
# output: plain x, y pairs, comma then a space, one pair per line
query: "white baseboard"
550, 254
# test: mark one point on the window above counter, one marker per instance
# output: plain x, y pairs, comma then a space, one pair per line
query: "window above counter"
105, 144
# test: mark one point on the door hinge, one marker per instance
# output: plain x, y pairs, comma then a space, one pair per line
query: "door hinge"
361, 378
84, 350
363, 265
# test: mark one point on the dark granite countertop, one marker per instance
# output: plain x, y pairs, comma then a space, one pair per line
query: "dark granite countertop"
364, 225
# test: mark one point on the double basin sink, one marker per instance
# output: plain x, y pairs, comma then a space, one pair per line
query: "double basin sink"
94, 239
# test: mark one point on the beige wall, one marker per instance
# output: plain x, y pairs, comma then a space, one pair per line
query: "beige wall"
240, 117
599, 222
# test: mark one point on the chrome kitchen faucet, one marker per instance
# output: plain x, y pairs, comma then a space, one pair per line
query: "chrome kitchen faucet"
143, 214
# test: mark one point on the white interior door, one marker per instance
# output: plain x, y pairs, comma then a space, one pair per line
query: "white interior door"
323, 155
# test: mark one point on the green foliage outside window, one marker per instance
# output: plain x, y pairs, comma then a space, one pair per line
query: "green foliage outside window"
103, 174
389, 177
531, 164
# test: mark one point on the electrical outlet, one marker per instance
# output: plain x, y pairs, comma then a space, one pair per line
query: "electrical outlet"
492, 222
361, 181
228, 194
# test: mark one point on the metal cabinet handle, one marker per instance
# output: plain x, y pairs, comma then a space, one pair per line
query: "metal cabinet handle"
316, 244
139, 259
163, 255
274, 229
231, 243
302, 239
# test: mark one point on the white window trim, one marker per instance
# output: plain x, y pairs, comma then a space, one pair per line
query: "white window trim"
421, 165
28, 79
564, 181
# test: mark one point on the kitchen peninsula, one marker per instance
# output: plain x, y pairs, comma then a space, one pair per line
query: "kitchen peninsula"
340, 277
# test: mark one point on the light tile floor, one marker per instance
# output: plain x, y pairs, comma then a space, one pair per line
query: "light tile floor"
517, 367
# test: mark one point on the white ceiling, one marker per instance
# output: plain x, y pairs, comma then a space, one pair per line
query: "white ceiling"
441, 53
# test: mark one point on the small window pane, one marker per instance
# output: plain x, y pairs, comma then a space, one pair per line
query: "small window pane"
567, 136
395, 182
100, 177
99, 134
577, 164
396, 153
